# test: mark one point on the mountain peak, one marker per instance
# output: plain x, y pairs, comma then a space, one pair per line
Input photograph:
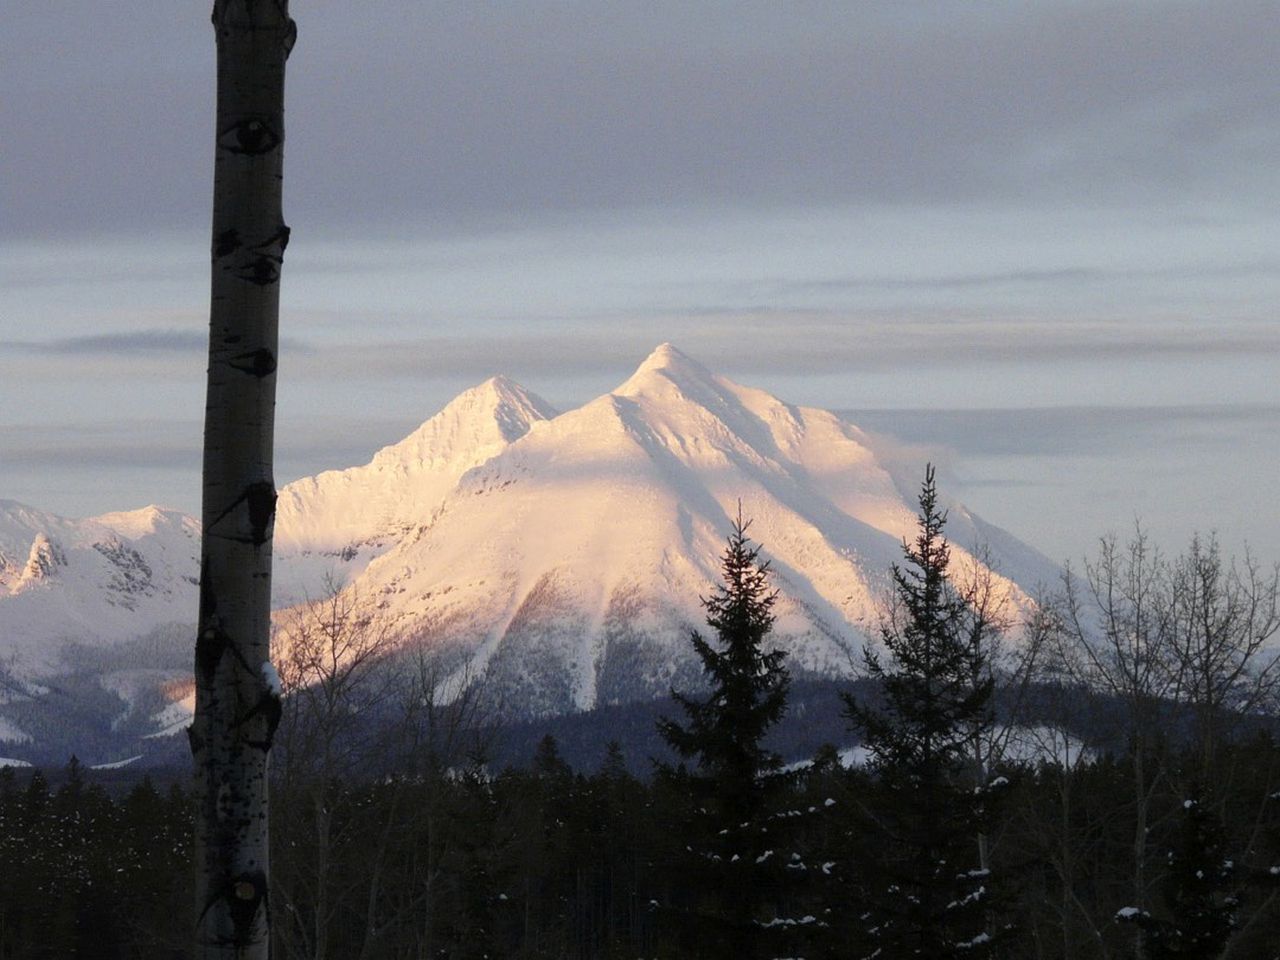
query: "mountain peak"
405, 482
499, 386
561, 562
140, 522
666, 363
509, 406
477, 421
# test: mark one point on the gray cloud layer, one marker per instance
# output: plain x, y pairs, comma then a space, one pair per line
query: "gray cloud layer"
1071, 431
1025, 202
130, 344
454, 114
816, 342
786, 343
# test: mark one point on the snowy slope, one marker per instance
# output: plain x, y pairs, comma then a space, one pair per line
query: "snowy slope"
121, 575
567, 566
558, 555
332, 525
103, 579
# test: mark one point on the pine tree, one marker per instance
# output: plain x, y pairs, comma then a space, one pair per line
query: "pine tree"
928, 895
733, 837
620, 811
1199, 892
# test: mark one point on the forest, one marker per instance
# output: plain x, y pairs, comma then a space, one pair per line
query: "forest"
1143, 822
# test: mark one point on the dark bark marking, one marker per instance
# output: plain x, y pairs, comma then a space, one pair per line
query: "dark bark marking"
208, 602
226, 243
281, 236
262, 270
244, 894
258, 363
271, 707
251, 136
261, 497
211, 644
248, 892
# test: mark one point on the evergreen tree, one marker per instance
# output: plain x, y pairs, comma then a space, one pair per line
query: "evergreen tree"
927, 893
547, 763
622, 852
731, 843
1199, 892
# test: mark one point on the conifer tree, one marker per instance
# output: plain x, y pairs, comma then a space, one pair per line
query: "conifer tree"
1199, 892
927, 895
732, 841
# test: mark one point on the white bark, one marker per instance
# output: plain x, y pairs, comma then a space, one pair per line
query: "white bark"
237, 698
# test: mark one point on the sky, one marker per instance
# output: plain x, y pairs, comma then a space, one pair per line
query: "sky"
1035, 242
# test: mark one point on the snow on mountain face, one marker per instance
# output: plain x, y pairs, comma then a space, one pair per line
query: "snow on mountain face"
566, 565
106, 578
334, 524
559, 557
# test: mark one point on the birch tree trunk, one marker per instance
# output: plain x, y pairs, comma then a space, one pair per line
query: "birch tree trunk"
237, 694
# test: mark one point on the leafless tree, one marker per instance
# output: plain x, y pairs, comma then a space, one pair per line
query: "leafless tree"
332, 669
986, 629
363, 716
1116, 635
1055, 736
1224, 615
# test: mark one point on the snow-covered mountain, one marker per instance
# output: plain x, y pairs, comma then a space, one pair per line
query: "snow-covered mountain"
91, 646
334, 524
560, 556
104, 579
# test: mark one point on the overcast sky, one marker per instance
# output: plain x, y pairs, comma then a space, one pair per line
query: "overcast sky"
1037, 241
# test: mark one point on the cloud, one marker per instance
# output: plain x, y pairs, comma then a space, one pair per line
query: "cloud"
133, 342
788, 343
458, 114
130, 343
135, 460
130, 457
1057, 277
1039, 432
817, 104
117, 444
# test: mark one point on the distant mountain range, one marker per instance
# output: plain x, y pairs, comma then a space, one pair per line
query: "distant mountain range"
558, 555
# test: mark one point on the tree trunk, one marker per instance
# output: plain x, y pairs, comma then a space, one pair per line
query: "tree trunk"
237, 694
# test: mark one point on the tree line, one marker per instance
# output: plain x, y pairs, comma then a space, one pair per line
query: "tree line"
1153, 831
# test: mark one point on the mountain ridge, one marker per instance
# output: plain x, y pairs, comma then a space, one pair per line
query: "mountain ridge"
558, 555
566, 568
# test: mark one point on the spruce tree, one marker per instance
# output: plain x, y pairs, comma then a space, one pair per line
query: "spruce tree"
927, 895
1200, 893
731, 844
